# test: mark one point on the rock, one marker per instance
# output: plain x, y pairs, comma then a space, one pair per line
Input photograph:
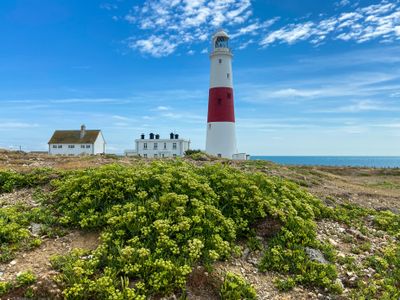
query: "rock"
341, 254
246, 252
13, 262
357, 234
316, 255
333, 242
391, 209
36, 228
339, 282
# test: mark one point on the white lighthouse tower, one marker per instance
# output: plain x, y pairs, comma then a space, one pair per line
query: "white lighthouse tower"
221, 131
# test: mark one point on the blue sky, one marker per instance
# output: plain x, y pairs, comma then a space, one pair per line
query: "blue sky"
311, 77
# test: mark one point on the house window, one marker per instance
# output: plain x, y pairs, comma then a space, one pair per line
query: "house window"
174, 155
82, 146
165, 145
145, 146
220, 61
54, 146
59, 146
155, 146
87, 146
145, 155
71, 146
162, 155
219, 155
155, 155
174, 146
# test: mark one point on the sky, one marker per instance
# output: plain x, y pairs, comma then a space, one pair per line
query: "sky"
310, 77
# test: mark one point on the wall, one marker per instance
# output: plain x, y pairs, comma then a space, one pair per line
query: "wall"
99, 145
68, 151
181, 147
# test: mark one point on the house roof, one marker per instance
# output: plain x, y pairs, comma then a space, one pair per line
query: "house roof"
74, 137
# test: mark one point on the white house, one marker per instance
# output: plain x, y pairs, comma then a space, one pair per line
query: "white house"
154, 147
77, 142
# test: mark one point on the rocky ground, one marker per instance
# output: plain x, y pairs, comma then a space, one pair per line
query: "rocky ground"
367, 187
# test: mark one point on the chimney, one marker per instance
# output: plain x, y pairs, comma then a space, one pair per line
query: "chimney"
171, 135
83, 131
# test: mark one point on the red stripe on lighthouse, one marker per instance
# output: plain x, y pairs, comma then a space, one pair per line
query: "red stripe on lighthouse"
220, 105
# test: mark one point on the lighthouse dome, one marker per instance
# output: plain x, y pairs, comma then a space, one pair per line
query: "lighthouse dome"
220, 40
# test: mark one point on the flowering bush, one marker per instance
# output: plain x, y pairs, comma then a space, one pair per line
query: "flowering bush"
159, 220
235, 287
14, 232
10, 180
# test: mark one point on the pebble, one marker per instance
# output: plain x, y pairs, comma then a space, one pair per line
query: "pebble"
13, 262
333, 242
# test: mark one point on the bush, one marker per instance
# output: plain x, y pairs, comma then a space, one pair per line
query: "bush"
26, 278
191, 152
4, 287
10, 180
235, 287
161, 219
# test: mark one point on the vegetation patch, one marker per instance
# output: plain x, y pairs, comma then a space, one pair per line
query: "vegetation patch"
160, 220
236, 287
11, 180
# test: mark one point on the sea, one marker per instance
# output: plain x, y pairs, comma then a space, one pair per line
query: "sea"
345, 161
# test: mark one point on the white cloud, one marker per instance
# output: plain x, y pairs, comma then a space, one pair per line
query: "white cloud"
16, 125
162, 108
154, 45
166, 25
380, 21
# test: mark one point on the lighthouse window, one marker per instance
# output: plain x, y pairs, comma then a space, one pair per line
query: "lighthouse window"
219, 101
229, 95
220, 61
228, 75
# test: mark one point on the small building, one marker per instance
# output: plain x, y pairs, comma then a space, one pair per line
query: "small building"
154, 147
77, 142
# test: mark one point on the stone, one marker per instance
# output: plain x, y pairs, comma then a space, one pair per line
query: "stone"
36, 228
316, 255
339, 282
333, 242
13, 262
246, 252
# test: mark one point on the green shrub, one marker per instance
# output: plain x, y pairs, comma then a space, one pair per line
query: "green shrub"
14, 232
285, 284
161, 219
191, 152
235, 287
385, 283
25, 278
388, 221
5, 287
10, 180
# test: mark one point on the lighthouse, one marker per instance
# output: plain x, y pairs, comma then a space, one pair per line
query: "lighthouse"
221, 131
